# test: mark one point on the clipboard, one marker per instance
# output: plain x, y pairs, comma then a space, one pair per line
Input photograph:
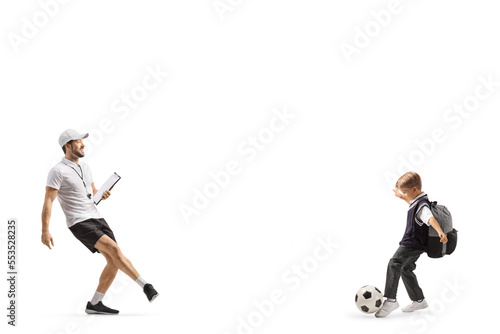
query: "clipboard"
108, 185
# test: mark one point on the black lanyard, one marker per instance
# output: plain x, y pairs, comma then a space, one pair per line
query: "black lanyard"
81, 177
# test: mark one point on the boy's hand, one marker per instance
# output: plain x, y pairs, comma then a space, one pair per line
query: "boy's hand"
398, 194
444, 238
106, 194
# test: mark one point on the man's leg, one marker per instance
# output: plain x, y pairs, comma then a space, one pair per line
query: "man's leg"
107, 277
107, 245
108, 274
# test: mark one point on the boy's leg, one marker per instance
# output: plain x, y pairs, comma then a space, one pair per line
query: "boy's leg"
410, 280
391, 284
402, 264
394, 273
414, 290
401, 259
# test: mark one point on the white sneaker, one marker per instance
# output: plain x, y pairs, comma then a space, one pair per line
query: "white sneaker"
415, 306
387, 308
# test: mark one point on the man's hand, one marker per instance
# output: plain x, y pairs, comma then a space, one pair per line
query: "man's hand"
106, 194
443, 238
47, 239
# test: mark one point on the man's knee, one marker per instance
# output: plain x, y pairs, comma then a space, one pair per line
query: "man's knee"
109, 246
116, 254
109, 260
111, 266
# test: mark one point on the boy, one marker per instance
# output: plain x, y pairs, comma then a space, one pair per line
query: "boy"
402, 264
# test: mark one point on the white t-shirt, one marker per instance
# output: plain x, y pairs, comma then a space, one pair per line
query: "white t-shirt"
72, 195
425, 213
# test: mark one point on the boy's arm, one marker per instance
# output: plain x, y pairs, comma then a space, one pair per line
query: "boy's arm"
400, 195
433, 222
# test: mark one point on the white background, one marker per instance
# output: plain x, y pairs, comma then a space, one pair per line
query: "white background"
323, 176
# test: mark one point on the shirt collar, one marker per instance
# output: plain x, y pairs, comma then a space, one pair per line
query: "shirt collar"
69, 163
419, 196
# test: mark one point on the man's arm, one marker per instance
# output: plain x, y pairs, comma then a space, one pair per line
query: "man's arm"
433, 222
50, 196
105, 194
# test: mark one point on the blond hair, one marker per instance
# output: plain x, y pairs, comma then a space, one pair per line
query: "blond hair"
409, 180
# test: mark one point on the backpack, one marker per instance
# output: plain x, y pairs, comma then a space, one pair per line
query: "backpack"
434, 247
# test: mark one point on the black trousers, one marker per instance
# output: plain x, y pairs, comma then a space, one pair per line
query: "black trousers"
402, 264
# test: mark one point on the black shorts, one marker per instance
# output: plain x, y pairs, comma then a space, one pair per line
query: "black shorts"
90, 230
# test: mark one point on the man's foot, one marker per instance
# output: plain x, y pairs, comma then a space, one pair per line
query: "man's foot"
150, 292
415, 306
387, 308
99, 308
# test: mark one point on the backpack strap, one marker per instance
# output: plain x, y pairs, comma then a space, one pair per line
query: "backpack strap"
424, 202
418, 206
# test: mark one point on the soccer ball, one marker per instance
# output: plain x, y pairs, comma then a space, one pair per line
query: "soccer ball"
369, 299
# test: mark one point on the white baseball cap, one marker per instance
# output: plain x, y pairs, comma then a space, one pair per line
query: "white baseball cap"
70, 134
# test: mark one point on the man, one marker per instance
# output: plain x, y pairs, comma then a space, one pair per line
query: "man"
73, 185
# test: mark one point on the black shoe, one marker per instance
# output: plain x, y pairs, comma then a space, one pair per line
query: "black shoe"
99, 308
150, 292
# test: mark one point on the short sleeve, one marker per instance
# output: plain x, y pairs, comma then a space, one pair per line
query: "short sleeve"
55, 178
425, 214
89, 174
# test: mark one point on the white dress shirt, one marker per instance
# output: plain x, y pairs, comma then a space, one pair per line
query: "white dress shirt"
424, 214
